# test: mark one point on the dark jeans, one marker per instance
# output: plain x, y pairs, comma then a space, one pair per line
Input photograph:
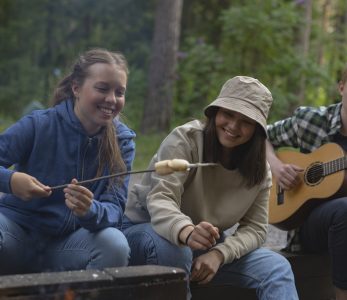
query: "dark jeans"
325, 231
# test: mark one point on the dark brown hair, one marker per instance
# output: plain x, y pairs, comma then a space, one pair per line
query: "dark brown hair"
109, 152
248, 158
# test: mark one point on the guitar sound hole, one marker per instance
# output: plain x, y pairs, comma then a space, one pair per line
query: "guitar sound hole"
314, 174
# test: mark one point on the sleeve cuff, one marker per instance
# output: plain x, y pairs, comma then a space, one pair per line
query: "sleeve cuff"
228, 257
90, 214
5, 179
176, 229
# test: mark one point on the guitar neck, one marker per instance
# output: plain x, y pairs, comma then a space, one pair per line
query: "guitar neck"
334, 166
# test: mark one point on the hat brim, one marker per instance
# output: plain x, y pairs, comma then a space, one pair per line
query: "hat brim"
240, 106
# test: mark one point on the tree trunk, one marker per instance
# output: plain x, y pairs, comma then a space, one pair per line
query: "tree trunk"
323, 31
340, 36
305, 43
158, 105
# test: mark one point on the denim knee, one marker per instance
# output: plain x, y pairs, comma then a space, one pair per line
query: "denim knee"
113, 246
148, 247
279, 281
280, 266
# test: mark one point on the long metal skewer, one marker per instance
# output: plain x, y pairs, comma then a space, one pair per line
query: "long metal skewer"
101, 178
188, 167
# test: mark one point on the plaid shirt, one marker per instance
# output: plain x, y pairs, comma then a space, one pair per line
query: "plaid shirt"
308, 128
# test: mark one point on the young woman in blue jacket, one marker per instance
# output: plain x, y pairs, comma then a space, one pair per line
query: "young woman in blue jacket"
78, 138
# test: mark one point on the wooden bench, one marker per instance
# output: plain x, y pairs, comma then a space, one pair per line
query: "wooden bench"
312, 278
126, 283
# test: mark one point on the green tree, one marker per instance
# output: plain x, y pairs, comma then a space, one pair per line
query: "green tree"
41, 38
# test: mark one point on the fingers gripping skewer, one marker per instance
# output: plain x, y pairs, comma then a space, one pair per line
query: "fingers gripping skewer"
163, 167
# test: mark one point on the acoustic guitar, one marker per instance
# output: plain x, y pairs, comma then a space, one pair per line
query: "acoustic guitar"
323, 179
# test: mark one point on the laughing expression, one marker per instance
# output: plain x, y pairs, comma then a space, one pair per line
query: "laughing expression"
233, 128
101, 96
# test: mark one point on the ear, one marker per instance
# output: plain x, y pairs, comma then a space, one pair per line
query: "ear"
341, 87
75, 89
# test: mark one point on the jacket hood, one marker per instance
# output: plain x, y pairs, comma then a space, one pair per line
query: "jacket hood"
65, 110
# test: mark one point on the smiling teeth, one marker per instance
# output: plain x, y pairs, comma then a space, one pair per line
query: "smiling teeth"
106, 110
230, 133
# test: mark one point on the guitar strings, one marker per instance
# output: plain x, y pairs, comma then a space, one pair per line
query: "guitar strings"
320, 170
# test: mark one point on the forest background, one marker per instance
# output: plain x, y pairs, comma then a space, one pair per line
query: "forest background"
179, 52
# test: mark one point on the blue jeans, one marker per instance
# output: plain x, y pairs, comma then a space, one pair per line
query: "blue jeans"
264, 270
325, 231
27, 252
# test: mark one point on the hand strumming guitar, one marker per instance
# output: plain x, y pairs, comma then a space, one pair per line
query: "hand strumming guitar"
287, 175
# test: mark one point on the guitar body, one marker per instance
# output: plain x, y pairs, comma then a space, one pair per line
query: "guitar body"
288, 209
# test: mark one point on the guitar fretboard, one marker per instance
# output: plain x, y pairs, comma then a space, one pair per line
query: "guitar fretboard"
334, 166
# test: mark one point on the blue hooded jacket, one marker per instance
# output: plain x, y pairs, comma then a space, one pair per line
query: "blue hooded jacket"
52, 146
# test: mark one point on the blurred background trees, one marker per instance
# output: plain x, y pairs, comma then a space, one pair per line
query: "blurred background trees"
162, 67
295, 47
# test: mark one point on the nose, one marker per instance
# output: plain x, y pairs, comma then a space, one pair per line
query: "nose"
111, 97
234, 124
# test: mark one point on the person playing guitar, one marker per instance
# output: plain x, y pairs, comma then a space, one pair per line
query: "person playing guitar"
324, 230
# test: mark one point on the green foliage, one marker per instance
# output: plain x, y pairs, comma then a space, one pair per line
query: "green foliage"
136, 93
199, 79
260, 39
200, 19
256, 42
43, 37
219, 39
146, 147
5, 122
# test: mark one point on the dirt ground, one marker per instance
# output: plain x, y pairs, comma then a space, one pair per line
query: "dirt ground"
276, 238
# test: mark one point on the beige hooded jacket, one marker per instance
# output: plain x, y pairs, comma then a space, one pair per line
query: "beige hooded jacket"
212, 194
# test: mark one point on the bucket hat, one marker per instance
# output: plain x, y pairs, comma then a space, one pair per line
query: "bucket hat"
245, 95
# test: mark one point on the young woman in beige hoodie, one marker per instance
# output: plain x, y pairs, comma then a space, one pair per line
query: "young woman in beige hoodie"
180, 219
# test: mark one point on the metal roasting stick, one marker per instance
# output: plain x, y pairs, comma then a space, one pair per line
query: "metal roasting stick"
163, 167
101, 178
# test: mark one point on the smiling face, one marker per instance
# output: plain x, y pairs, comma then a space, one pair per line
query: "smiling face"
100, 97
233, 128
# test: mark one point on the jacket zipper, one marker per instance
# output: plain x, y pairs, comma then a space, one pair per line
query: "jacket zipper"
84, 156
82, 175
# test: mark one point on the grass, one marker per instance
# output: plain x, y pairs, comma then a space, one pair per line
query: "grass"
146, 147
